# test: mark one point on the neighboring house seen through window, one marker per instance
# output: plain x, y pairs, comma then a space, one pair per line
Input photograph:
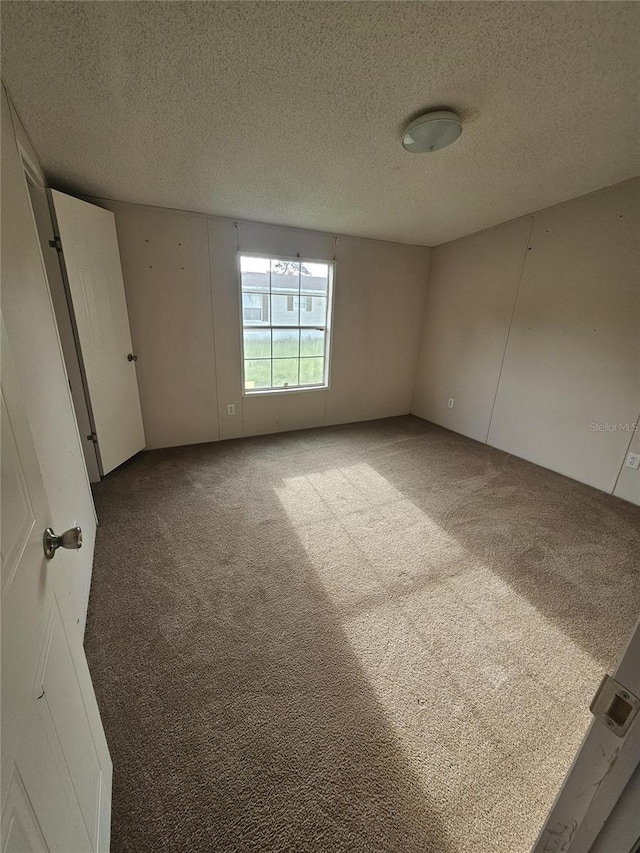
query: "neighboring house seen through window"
256, 308
285, 318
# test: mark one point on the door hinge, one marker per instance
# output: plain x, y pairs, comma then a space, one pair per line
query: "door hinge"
56, 244
92, 437
614, 705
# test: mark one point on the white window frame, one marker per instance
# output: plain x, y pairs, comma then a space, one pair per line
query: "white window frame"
258, 392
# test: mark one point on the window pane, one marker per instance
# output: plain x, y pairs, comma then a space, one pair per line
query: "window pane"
285, 292
311, 371
257, 373
286, 274
256, 275
280, 313
257, 343
255, 308
285, 372
318, 313
259, 265
315, 280
285, 343
311, 342
285, 277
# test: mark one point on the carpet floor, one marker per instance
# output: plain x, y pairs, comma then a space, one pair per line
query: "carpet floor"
360, 639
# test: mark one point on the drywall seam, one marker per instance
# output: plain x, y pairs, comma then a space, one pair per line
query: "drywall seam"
367, 313
626, 452
236, 231
508, 335
213, 325
423, 315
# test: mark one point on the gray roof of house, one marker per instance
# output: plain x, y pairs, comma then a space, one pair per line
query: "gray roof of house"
260, 281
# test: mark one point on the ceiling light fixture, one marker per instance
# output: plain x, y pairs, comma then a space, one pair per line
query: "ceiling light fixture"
432, 131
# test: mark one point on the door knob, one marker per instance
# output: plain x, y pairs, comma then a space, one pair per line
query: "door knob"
132, 357
71, 539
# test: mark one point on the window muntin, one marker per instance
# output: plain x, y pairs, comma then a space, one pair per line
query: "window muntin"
285, 319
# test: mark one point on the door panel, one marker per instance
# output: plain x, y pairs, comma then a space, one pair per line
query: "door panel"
23, 831
64, 716
18, 515
94, 276
36, 772
56, 769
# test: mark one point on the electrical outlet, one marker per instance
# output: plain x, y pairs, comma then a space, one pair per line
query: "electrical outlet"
450, 403
633, 461
231, 409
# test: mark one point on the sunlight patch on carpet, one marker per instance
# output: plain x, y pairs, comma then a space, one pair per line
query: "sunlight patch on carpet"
483, 691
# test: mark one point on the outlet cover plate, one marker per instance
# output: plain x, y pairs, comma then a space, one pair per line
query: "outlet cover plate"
633, 461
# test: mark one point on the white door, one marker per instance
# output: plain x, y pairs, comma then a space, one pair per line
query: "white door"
604, 763
56, 770
91, 260
39, 198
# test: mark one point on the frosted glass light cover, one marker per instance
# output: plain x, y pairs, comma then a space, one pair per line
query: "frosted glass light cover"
431, 131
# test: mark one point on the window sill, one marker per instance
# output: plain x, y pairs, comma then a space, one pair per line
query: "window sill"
268, 392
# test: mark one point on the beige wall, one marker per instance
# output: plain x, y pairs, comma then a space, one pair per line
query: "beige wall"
165, 262
28, 313
533, 328
471, 294
183, 295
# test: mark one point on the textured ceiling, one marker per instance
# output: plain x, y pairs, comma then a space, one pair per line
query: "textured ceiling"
291, 112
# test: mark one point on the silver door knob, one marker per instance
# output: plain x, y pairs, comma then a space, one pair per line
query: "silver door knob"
71, 538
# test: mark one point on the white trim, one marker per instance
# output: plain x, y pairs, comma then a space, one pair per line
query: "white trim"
277, 257
268, 392
327, 327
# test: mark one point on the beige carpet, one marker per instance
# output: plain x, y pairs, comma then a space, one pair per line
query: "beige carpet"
376, 637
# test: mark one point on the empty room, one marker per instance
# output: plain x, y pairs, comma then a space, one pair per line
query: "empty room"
320, 449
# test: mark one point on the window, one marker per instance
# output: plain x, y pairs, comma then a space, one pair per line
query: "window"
286, 307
